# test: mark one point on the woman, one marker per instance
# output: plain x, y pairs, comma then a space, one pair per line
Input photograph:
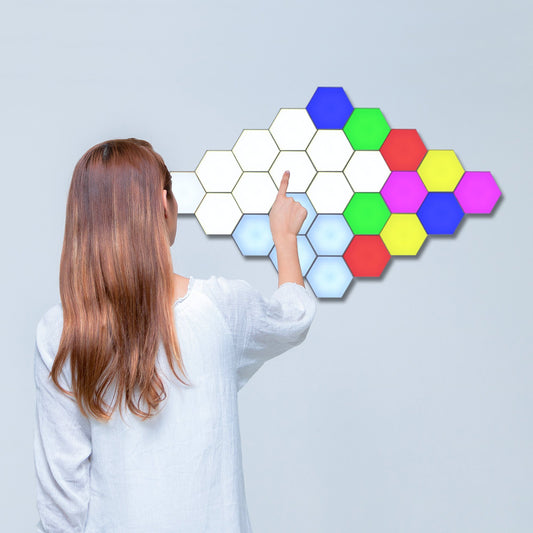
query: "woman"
169, 459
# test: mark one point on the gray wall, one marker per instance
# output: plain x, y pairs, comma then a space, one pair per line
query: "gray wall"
408, 408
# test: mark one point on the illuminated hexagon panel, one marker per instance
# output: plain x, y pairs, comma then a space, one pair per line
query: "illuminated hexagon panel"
301, 168
372, 191
252, 235
306, 254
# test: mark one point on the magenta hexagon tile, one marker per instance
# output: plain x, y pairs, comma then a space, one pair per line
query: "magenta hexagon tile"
477, 192
403, 192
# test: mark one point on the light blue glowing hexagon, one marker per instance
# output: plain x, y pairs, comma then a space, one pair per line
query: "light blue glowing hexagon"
330, 234
306, 254
303, 199
329, 277
253, 236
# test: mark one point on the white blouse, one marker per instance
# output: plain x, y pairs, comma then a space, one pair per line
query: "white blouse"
181, 471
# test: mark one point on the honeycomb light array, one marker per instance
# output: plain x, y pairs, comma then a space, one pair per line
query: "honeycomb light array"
371, 192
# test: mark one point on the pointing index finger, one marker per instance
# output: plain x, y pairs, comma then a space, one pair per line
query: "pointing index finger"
284, 183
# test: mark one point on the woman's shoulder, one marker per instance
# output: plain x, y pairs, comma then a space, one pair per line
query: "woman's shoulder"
221, 286
48, 333
53, 316
224, 292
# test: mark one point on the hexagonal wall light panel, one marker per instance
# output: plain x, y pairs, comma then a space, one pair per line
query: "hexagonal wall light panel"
300, 166
329, 150
366, 129
477, 192
440, 213
403, 234
292, 129
255, 150
255, 192
367, 171
329, 277
330, 234
329, 108
367, 256
253, 236
404, 192
403, 150
187, 187
218, 213
218, 171
371, 192
330, 192
366, 213
306, 254
440, 170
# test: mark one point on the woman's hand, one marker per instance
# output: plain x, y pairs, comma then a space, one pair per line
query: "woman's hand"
286, 214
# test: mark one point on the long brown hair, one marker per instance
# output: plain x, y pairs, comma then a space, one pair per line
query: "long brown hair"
116, 279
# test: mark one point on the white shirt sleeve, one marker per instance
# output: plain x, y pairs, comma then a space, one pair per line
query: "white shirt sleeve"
263, 328
62, 443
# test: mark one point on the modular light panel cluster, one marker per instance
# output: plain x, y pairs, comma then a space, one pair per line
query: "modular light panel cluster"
371, 192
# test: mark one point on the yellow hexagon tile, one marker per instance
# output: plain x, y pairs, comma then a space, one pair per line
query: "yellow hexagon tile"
440, 170
403, 234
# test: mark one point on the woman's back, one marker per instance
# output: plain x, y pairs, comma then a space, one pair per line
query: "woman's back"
182, 469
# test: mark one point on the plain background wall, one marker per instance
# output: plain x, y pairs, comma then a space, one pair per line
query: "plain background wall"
409, 406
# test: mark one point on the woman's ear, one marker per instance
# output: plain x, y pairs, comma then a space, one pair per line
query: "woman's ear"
165, 204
